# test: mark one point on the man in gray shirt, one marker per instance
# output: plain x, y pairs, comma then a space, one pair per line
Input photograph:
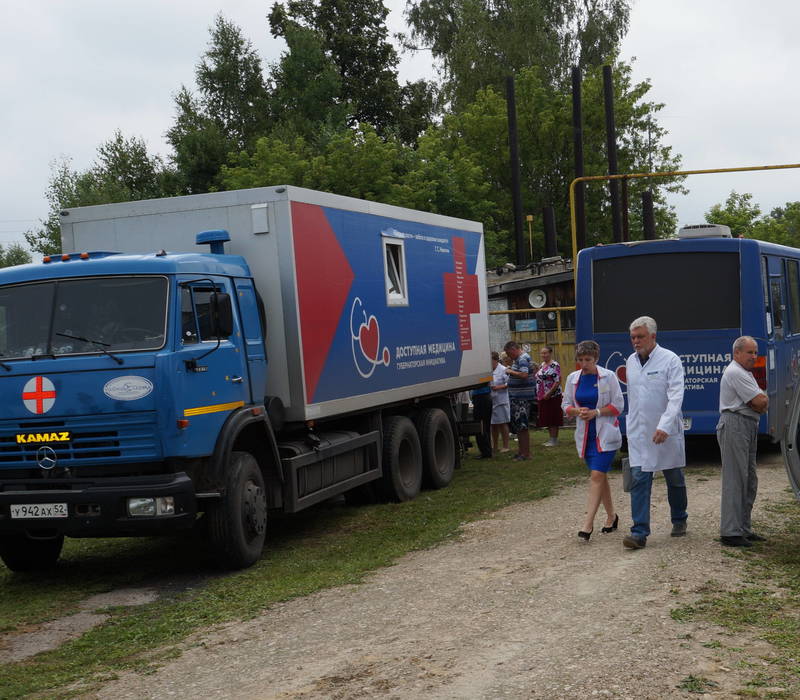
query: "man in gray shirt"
741, 403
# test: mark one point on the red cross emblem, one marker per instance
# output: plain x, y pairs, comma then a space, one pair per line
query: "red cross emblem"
461, 293
39, 395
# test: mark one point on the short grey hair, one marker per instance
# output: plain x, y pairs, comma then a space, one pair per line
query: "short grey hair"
587, 347
740, 342
645, 322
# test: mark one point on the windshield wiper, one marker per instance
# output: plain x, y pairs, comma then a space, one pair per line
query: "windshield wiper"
5, 366
100, 346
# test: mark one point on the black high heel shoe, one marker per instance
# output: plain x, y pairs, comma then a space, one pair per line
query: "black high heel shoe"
585, 535
613, 525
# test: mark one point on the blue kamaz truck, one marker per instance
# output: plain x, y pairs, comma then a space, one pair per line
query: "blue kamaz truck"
203, 360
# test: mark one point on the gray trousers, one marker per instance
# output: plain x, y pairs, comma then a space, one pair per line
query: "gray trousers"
736, 435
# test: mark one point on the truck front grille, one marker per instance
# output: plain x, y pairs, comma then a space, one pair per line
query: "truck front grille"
93, 440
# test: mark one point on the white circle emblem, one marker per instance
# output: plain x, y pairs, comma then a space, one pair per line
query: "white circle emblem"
39, 395
128, 388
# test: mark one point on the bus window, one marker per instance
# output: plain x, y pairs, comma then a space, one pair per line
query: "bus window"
793, 292
777, 306
658, 285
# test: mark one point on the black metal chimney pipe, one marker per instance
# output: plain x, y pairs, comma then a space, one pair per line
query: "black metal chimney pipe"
516, 192
611, 140
550, 242
577, 137
648, 216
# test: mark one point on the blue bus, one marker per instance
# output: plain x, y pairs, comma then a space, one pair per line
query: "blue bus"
704, 289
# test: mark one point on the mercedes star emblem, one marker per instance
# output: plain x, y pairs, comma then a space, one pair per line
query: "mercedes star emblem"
46, 457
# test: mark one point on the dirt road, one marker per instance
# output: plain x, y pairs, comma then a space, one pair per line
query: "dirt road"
517, 608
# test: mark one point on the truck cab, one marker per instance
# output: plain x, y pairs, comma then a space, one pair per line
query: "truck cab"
118, 374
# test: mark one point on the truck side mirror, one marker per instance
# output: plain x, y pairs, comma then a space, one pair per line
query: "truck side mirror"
222, 314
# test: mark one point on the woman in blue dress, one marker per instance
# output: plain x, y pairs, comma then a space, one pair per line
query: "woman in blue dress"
593, 396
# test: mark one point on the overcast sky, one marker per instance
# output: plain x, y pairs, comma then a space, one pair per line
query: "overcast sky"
73, 72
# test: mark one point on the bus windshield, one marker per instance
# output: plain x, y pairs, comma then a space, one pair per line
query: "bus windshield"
683, 291
77, 316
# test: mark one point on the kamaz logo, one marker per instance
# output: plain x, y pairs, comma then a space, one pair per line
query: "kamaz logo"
26, 438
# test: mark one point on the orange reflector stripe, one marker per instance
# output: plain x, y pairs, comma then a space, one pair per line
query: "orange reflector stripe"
202, 410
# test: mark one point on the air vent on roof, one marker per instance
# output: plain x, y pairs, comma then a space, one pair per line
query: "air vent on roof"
705, 231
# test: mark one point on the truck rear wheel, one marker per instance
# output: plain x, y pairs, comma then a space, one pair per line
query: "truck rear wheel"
402, 460
438, 448
20, 552
238, 524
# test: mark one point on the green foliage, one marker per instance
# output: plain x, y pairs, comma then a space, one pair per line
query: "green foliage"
351, 39
480, 42
545, 142
230, 113
743, 216
15, 254
123, 171
307, 88
439, 176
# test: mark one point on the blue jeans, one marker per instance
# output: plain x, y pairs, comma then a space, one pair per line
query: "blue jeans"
640, 498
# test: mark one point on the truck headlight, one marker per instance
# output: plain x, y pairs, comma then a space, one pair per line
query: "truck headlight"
149, 507
141, 507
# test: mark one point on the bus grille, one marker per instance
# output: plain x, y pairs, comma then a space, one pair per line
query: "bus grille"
93, 440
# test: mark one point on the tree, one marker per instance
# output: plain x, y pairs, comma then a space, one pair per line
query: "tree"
740, 213
15, 254
784, 224
354, 39
122, 171
439, 176
743, 216
480, 42
307, 92
545, 142
230, 113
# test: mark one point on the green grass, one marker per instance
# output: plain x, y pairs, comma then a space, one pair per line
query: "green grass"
767, 605
697, 684
323, 547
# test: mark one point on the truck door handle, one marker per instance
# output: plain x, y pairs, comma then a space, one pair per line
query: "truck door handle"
236, 380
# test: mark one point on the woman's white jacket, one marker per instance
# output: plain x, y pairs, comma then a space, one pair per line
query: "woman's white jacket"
609, 395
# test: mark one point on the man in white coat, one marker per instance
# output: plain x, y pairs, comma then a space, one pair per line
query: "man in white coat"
654, 429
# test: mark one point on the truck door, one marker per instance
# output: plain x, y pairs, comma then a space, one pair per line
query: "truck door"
254, 328
213, 370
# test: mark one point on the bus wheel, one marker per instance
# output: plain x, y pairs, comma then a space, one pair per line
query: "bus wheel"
438, 447
238, 523
20, 552
402, 460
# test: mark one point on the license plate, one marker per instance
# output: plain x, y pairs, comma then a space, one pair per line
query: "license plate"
39, 510
687, 423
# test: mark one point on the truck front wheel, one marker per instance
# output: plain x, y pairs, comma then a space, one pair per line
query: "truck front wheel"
438, 447
402, 460
238, 524
20, 552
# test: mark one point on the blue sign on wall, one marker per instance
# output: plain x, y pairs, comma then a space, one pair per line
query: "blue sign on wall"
528, 324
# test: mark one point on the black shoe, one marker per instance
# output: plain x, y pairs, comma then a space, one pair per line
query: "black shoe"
613, 525
753, 537
735, 541
585, 535
633, 542
678, 529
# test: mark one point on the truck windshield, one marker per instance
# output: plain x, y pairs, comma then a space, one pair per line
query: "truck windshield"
117, 314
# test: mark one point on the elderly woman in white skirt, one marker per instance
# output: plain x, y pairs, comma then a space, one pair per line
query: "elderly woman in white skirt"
501, 406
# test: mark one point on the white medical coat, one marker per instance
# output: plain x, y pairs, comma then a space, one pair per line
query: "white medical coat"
655, 396
609, 395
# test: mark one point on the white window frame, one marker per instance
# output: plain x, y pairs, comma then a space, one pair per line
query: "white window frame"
390, 262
